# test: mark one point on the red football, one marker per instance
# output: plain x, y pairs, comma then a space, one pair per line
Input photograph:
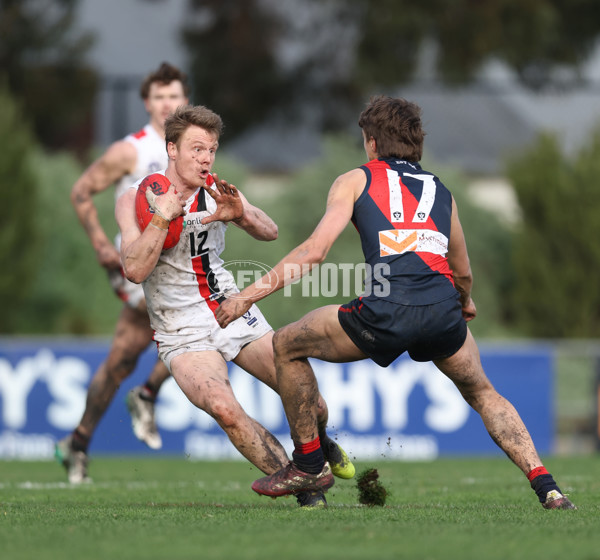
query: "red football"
159, 185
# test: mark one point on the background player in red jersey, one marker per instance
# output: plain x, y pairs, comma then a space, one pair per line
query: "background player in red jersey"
419, 302
124, 162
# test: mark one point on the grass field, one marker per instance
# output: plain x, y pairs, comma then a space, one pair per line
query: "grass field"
174, 509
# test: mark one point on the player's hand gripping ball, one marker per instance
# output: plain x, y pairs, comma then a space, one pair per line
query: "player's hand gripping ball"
158, 184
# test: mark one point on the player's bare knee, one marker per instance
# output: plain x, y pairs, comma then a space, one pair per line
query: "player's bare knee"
478, 395
227, 414
281, 344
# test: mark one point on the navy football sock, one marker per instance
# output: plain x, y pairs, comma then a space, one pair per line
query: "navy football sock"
148, 393
79, 441
542, 482
308, 457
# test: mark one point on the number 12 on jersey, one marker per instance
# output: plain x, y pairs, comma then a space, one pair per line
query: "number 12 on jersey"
197, 240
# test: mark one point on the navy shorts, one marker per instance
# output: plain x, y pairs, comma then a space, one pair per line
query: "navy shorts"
383, 329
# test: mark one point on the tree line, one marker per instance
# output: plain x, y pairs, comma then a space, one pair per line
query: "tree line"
531, 279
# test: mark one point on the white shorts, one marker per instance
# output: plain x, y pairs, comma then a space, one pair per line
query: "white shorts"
228, 341
132, 294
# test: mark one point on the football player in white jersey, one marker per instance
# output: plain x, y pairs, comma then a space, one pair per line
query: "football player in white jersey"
185, 284
123, 163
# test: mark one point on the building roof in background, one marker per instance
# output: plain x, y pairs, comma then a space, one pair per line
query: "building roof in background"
473, 128
133, 37
469, 128
275, 146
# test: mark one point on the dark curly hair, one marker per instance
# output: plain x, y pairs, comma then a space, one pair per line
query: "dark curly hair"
395, 125
165, 74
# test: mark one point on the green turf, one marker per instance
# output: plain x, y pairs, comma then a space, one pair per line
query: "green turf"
173, 509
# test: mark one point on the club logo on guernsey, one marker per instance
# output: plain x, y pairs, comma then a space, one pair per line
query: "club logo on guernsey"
250, 320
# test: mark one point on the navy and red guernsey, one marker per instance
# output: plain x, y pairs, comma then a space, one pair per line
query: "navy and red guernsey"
403, 218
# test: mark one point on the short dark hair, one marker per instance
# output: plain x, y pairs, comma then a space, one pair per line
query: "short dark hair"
191, 115
165, 74
395, 124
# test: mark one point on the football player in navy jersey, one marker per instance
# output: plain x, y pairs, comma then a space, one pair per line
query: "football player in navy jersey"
418, 301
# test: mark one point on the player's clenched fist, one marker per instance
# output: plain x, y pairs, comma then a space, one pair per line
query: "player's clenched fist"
231, 309
169, 205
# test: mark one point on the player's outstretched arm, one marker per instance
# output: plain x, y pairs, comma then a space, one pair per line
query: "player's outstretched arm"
340, 205
458, 259
118, 160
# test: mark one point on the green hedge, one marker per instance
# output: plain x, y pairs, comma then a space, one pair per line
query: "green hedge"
556, 253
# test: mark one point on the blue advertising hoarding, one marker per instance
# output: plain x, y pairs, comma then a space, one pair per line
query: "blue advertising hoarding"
408, 411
